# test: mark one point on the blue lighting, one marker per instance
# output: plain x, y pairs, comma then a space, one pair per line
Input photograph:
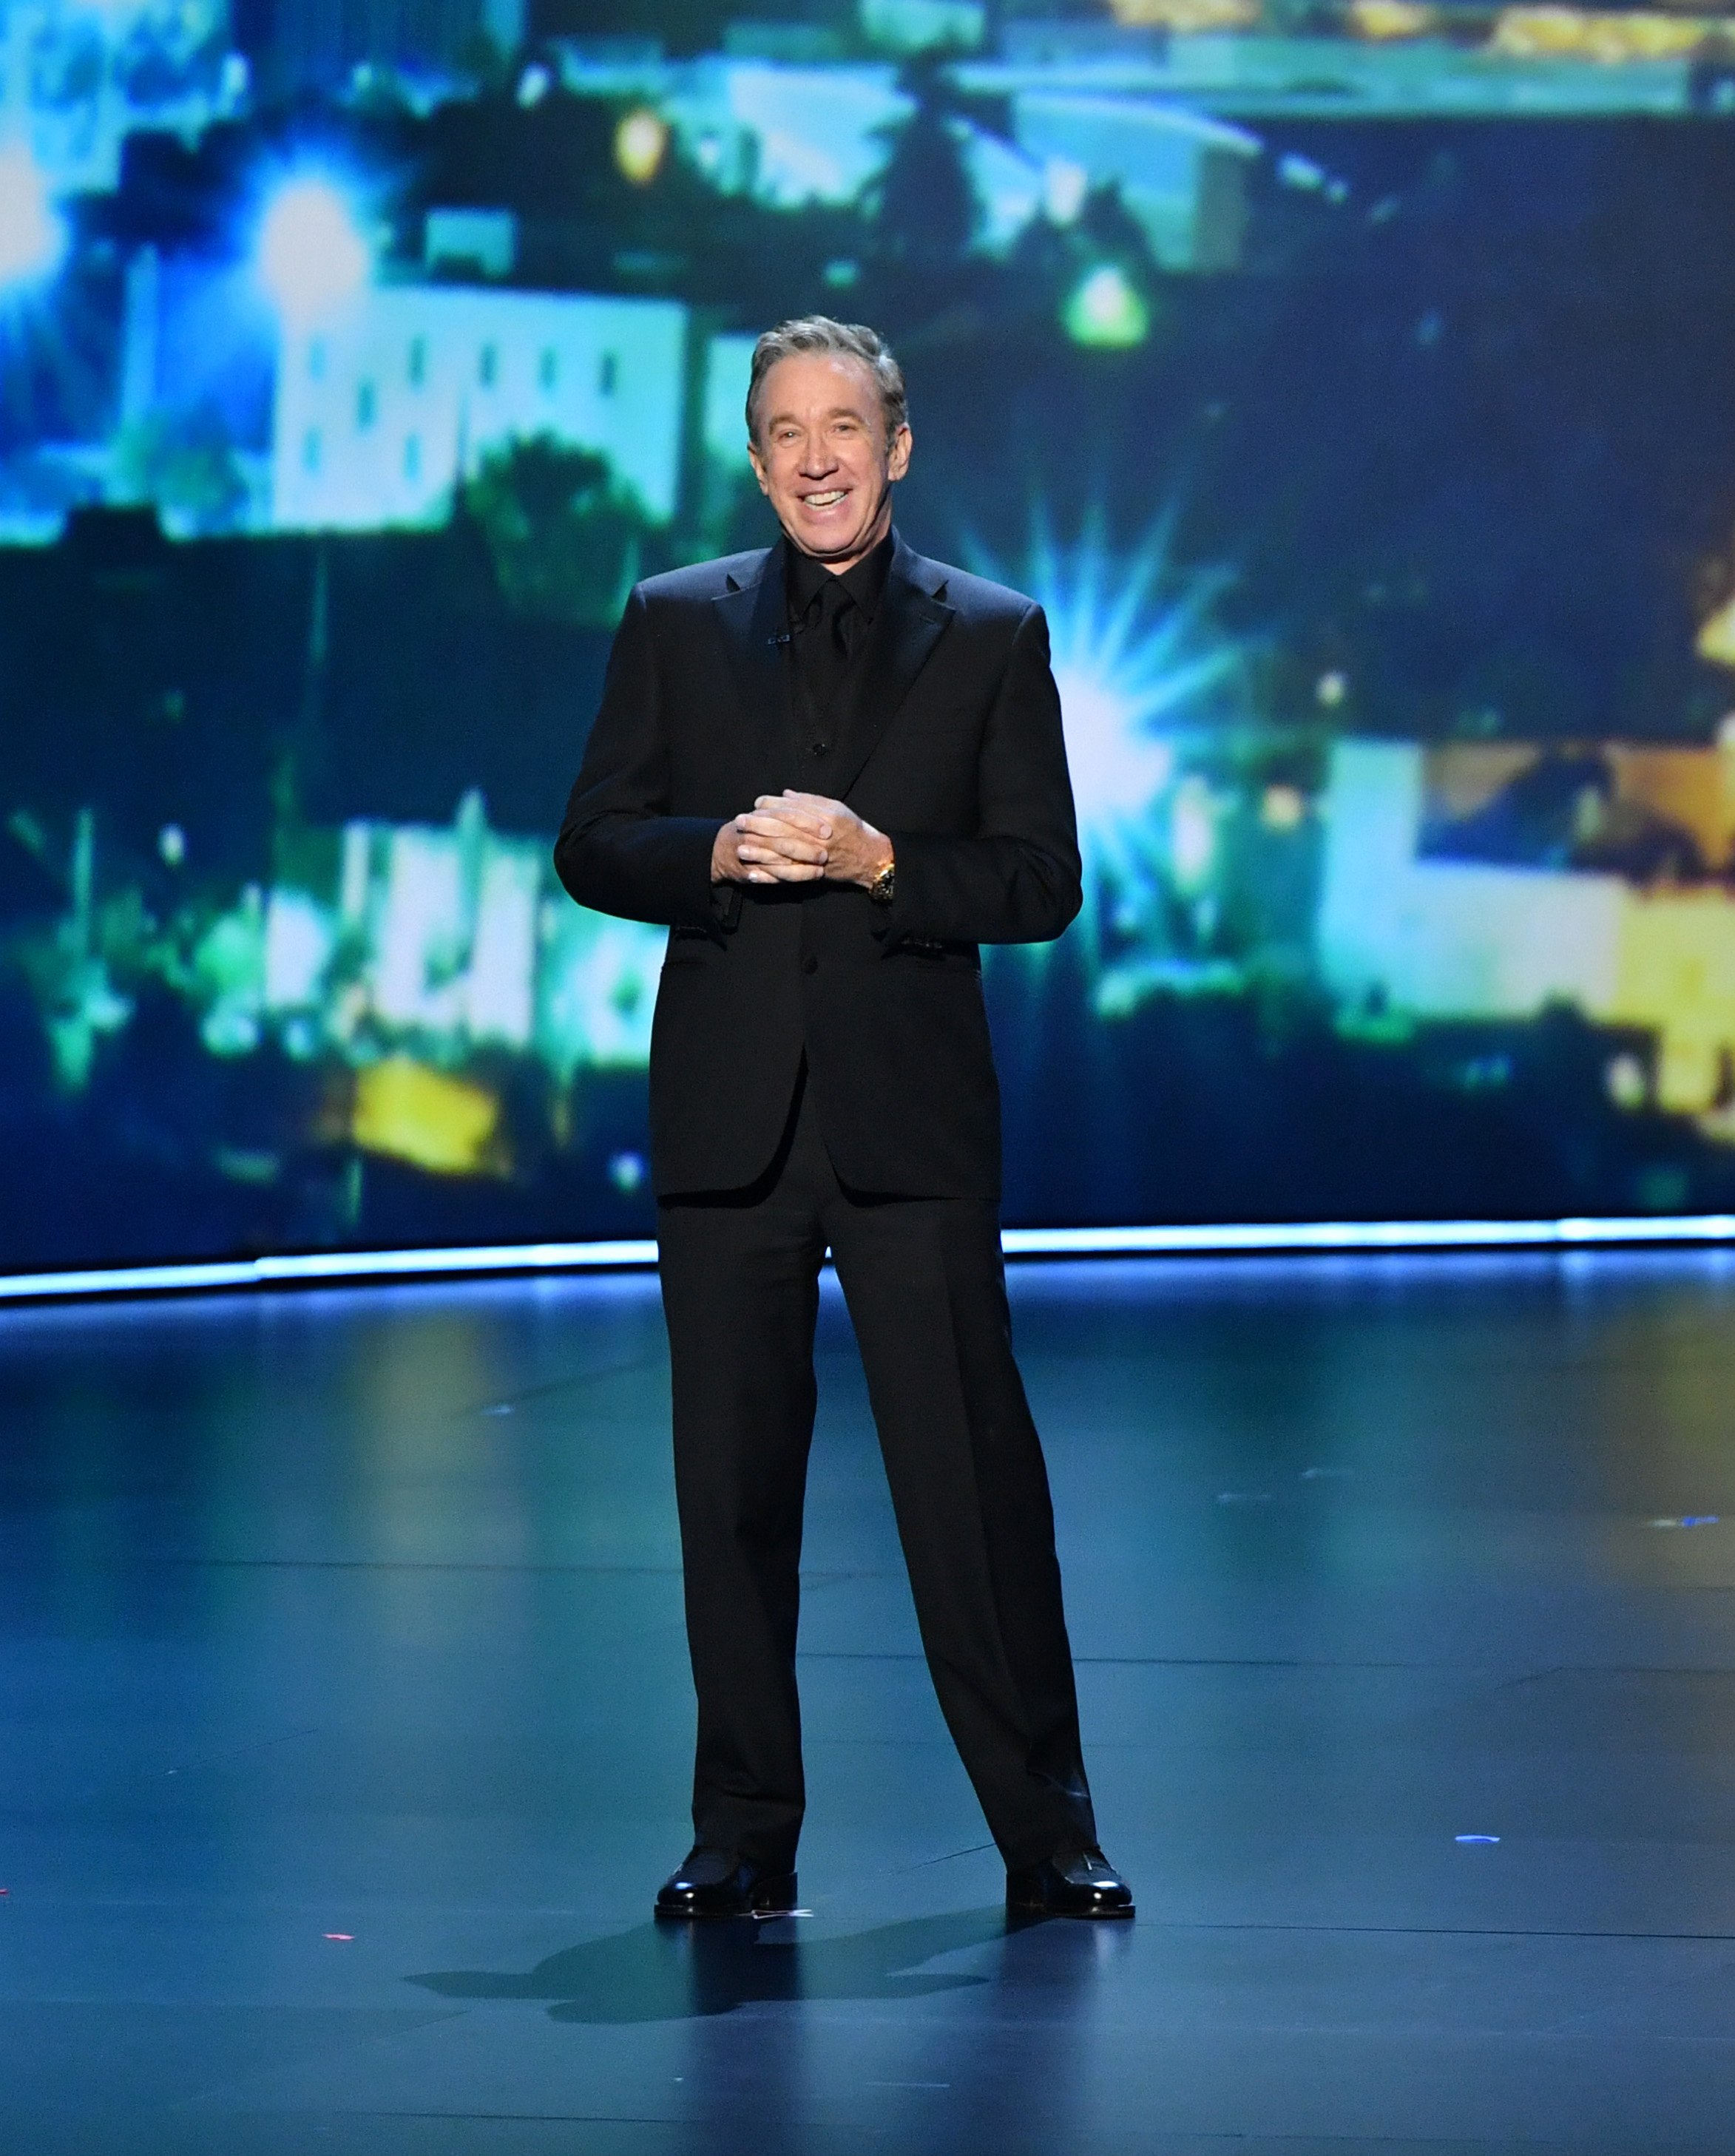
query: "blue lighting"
1139, 659
1278, 1238
1368, 1236
312, 252
32, 232
330, 1265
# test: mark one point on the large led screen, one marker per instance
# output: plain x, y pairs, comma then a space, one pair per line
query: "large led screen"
1352, 380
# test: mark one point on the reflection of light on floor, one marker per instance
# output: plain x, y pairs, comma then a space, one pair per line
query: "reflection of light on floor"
1138, 658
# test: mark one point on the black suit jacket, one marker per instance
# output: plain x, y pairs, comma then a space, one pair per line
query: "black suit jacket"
948, 738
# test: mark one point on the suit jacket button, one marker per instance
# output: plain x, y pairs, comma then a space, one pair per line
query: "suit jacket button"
810, 965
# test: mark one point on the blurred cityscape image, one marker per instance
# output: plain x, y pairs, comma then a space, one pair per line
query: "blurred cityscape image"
1349, 379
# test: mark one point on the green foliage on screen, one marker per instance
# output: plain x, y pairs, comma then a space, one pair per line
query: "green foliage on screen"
567, 540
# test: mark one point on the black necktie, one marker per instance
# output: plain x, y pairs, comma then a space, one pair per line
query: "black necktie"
823, 649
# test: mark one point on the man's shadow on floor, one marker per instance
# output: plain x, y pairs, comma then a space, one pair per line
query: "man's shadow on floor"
680, 1972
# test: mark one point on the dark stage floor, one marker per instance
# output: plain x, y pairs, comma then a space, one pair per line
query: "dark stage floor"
346, 1725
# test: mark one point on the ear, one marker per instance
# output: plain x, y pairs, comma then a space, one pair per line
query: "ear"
898, 452
759, 465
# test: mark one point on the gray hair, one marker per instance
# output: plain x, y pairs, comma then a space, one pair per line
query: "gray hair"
849, 340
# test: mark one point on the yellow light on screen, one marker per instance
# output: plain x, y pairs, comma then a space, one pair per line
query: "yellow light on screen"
1675, 976
1282, 808
1614, 39
1384, 19
1186, 17
1716, 640
446, 1125
642, 143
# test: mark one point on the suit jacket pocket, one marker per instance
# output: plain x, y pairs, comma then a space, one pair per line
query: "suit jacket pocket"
931, 954
687, 946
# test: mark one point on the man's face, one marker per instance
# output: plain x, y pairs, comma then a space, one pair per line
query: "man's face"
822, 457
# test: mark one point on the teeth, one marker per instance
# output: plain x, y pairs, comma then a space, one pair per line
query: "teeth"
823, 501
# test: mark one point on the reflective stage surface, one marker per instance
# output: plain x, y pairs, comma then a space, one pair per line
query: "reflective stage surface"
347, 1724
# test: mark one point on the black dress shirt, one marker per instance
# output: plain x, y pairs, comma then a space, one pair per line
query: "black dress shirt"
829, 616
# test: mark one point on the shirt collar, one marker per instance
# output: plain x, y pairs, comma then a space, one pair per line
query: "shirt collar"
805, 578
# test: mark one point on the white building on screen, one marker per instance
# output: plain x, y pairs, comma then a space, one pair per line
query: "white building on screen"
385, 404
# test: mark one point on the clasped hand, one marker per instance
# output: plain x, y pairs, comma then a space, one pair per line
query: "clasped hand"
798, 838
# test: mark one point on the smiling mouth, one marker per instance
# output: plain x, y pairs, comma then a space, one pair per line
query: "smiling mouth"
828, 499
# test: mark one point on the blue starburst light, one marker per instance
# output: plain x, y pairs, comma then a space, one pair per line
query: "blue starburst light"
1141, 664
313, 253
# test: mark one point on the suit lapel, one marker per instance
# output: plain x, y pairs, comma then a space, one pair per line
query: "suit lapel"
753, 615
911, 620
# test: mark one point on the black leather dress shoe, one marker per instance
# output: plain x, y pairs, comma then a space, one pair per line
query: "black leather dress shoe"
716, 1883
1077, 1883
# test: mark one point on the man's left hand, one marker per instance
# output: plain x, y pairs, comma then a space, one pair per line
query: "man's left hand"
855, 852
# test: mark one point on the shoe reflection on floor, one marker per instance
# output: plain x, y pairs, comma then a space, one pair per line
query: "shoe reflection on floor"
666, 1972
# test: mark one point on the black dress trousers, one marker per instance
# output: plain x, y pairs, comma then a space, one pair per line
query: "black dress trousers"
924, 1284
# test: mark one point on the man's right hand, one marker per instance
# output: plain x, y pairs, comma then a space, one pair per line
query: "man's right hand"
758, 846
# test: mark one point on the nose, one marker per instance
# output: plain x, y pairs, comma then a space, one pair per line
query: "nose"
817, 457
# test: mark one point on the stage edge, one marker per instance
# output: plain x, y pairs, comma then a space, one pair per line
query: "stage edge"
1211, 1241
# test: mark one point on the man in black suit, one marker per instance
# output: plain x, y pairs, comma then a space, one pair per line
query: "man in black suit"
833, 769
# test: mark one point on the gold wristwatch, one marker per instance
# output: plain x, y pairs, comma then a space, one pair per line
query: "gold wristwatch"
883, 889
